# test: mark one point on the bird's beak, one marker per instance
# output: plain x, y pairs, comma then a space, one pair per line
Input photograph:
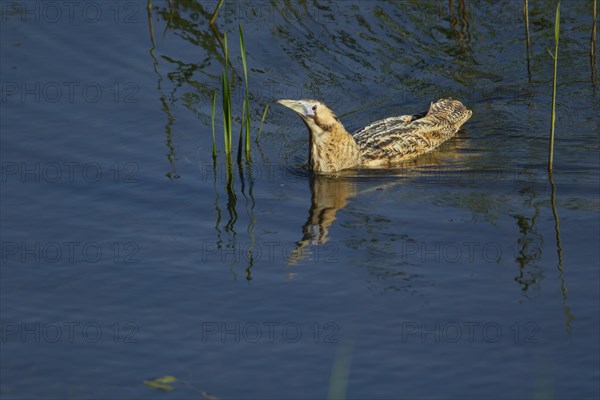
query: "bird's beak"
300, 107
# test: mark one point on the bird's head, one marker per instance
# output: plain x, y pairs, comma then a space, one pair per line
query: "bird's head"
317, 116
331, 148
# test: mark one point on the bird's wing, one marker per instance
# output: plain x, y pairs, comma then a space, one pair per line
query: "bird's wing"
404, 137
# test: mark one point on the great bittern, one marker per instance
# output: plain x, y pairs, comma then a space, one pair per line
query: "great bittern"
381, 143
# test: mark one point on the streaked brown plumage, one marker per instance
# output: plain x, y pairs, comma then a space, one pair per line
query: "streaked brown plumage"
381, 143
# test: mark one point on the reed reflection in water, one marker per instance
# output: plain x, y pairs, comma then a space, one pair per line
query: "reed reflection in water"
226, 233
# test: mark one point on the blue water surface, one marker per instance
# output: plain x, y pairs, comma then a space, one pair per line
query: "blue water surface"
129, 254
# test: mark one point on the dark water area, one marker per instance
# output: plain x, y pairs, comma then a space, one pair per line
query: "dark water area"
128, 254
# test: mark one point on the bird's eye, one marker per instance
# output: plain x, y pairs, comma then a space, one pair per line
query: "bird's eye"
314, 108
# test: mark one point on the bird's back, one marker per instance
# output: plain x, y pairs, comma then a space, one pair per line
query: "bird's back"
404, 137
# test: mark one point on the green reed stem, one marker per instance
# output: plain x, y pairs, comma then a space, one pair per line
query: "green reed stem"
241, 139
227, 125
212, 114
214, 16
262, 121
555, 56
226, 114
245, 121
248, 129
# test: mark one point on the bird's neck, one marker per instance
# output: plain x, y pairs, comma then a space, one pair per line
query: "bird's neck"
332, 148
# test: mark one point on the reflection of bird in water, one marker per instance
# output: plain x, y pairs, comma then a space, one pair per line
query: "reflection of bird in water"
328, 196
381, 143
331, 194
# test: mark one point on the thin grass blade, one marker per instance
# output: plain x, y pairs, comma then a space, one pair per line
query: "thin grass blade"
246, 121
243, 50
241, 138
214, 16
226, 114
262, 121
212, 114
